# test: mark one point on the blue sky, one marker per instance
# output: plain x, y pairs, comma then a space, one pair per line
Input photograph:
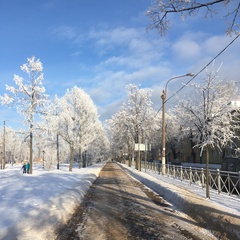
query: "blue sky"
102, 45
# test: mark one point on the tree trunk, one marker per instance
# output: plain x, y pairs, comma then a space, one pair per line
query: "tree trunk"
58, 151
31, 149
80, 157
130, 159
193, 155
71, 158
174, 153
207, 172
85, 159
140, 162
138, 152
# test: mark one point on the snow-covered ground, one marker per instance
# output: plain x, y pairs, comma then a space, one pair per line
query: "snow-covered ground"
32, 206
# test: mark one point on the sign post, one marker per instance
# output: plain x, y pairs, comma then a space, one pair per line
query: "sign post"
140, 147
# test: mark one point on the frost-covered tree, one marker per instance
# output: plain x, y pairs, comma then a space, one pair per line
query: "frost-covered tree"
76, 122
140, 114
208, 115
15, 146
50, 127
28, 96
135, 122
121, 135
173, 133
99, 148
161, 10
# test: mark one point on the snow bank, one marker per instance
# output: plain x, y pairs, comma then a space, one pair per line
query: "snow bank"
33, 206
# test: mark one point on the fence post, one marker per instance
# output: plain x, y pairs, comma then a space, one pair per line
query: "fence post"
181, 174
219, 181
202, 177
190, 175
239, 179
229, 186
174, 173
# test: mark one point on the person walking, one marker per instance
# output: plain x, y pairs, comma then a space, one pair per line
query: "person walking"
24, 168
27, 167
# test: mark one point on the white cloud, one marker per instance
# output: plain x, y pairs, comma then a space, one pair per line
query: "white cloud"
130, 55
116, 36
215, 44
65, 32
186, 49
128, 48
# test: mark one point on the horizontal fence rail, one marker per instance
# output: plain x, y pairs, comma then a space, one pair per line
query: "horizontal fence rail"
220, 181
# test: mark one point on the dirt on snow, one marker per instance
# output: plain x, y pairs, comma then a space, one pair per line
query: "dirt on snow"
118, 207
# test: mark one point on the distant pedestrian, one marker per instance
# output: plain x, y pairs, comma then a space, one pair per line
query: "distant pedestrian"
24, 168
27, 167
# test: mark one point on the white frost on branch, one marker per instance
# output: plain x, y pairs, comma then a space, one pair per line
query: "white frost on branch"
6, 99
28, 95
32, 66
74, 118
208, 114
161, 12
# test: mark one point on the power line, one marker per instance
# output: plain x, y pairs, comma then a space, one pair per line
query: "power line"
200, 71
204, 67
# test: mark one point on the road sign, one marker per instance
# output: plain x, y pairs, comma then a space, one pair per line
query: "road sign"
142, 147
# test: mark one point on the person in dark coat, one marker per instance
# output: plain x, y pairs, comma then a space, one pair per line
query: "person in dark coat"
24, 168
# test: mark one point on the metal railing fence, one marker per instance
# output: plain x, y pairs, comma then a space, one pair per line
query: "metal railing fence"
220, 181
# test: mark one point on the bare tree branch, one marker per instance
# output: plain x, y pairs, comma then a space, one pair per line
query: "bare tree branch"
160, 10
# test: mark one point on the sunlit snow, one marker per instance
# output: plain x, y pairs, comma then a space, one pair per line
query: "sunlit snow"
32, 206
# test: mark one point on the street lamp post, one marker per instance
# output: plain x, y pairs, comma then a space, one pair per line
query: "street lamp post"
85, 158
1, 159
164, 96
43, 152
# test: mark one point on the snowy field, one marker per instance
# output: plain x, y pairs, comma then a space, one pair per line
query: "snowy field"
32, 206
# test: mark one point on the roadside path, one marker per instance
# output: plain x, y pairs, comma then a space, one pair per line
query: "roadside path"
118, 207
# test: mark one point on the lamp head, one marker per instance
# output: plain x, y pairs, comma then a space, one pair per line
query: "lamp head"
163, 95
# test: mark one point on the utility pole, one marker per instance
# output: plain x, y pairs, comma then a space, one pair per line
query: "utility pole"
1, 159
57, 151
4, 145
163, 96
